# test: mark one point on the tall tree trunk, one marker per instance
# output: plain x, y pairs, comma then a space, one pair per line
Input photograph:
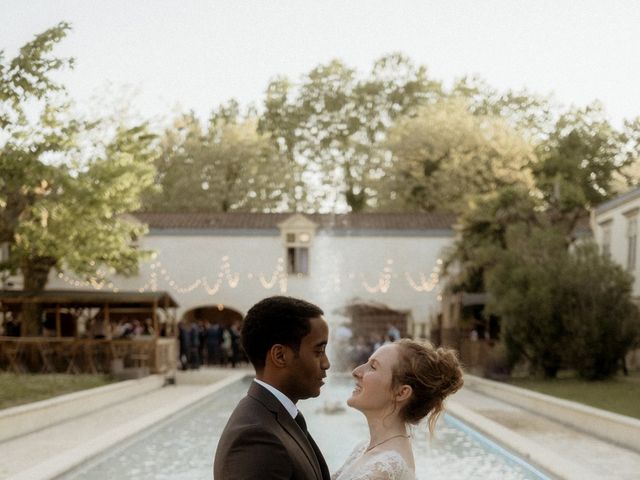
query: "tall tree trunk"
35, 273
357, 201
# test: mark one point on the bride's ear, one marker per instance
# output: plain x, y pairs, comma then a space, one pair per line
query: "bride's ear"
403, 393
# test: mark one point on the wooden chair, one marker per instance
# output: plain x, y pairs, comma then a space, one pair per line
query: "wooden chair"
72, 355
12, 352
47, 356
88, 357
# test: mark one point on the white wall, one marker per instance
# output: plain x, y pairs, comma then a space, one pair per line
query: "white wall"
339, 268
613, 213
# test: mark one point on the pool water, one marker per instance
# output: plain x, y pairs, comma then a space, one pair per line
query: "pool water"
182, 448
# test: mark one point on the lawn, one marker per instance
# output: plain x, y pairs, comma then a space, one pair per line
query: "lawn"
618, 395
20, 389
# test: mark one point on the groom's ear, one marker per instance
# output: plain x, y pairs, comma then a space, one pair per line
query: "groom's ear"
278, 355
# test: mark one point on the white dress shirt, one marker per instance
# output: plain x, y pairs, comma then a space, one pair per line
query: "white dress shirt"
282, 398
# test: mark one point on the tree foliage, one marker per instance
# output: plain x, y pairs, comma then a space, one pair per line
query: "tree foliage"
444, 155
578, 164
28, 75
518, 244
227, 166
26, 80
65, 183
533, 115
333, 122
82, 225
482, 234
604, 322
560, 308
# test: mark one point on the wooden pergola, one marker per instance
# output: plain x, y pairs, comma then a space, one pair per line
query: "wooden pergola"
61, 347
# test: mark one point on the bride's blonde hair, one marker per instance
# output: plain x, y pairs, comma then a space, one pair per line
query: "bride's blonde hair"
432, 373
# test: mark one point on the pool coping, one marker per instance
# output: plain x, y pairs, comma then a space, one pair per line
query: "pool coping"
617, 429
24, 419
544, 459
64, 462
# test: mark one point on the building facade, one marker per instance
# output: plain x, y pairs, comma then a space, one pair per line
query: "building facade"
615, 228
229, 261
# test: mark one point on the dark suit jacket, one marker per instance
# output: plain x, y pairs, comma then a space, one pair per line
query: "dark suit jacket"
261, 441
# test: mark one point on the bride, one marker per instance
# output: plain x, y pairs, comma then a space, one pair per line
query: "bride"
402, 383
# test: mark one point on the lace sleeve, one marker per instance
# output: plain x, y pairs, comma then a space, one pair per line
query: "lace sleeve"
359, 448
386, 466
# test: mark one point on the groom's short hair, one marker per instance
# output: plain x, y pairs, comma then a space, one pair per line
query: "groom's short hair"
283, 320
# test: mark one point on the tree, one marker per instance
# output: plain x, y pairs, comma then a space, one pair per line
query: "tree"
482, 234
444, 155
332, 123
578, 165
65, 184
227, 167
81, 224
629, 174
532, 115
602, 318
581, 162
561, 308
26, 81
526, 288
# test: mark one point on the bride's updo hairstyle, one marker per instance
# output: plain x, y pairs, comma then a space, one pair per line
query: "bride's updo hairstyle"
432, 373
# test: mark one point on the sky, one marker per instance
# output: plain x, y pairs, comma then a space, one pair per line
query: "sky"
195, 54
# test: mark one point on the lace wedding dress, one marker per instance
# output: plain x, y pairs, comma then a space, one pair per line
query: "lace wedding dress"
385, 465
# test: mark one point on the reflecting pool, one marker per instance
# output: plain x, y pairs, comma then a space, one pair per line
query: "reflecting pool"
182, 448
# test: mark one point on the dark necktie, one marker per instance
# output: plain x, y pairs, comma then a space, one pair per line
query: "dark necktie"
323, 466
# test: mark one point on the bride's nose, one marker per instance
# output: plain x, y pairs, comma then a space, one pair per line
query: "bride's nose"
356, 371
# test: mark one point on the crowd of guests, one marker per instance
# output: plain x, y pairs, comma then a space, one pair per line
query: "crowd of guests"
118, 328
209, 343
121, 329
352, 351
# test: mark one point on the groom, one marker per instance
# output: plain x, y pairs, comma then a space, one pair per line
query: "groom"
266, 437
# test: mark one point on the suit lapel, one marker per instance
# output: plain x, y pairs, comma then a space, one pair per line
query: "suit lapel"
288, 424
323, 465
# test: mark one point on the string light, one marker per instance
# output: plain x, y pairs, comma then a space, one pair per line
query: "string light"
384, 280
279, 277
426, 285
211, 290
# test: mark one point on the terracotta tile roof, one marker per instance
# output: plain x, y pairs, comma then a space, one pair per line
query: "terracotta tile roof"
259, 221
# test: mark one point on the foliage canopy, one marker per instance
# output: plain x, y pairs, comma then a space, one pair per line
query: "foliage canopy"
65, 183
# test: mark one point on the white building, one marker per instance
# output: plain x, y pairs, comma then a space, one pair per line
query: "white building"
229, 261
615, 228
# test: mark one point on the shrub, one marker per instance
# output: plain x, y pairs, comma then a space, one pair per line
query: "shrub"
562, 307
